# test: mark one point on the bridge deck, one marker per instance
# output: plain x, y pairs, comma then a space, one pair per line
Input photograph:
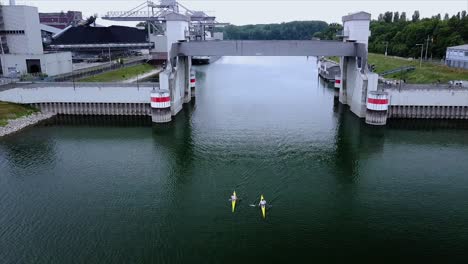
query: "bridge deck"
267, 48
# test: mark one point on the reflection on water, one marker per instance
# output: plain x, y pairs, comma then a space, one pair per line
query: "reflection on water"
99, 120
123, 190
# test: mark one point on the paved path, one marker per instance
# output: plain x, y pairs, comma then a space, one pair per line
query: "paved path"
143, 76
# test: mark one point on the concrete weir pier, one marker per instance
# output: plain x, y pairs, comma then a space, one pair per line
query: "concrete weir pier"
193, 82
377, 108
161, 106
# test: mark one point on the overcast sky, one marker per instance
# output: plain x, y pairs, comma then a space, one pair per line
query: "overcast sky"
242, 12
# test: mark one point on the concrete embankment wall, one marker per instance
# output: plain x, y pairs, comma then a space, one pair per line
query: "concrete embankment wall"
133, 109
428, 101
84, 98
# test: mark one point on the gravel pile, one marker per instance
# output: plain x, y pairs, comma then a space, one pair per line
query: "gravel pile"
23, 122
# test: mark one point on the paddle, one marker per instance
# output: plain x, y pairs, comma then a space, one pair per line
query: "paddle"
254, 205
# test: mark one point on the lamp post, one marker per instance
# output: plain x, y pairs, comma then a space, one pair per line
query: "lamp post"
110, 59
427, 47
422, 51
386, 47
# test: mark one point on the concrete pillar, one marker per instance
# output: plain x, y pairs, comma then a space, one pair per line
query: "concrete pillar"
160, 106
193, 83
183, 70
176, 77
177, 29
356, 80
343, 95
167, 81
377, 108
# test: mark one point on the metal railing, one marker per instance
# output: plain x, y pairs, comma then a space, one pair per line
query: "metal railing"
397, 70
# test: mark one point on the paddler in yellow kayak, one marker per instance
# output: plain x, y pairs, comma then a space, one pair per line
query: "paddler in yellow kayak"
233, 200
262, 205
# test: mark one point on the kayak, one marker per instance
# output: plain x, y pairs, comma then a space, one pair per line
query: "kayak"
234, 202
263, 207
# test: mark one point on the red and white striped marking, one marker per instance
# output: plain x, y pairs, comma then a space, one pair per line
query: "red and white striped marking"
192, 80
160, 99
377, 101
338, 82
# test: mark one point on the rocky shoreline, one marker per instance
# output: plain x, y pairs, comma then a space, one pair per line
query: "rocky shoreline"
16, 125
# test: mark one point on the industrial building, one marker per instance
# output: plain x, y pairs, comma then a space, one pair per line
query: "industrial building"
89, 38
457, 56
91, 44
192, 25
61, 20
21, 44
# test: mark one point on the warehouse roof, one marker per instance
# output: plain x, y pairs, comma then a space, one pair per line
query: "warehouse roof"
461, 47
101, 35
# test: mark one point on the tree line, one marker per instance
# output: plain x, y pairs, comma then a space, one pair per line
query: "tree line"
398, 32
297, 30
402, 33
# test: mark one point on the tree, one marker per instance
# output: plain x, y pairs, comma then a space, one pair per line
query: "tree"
297, 30
396, 17
415, 16
446, 17
387, 17
380, 18
403, 17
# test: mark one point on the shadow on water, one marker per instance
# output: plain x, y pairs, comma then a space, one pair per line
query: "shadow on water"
200, 75
353, 139
176, 137
99, 121
427, 124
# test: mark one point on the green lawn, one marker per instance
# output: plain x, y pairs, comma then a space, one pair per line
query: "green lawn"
335, 59
428, 73
12, 111
120, 74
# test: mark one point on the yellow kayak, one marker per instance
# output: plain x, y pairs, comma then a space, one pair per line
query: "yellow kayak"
234, 202
263, 207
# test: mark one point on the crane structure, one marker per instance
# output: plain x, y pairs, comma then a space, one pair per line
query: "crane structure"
154, 14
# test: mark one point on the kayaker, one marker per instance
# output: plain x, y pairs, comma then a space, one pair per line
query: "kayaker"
262, 203
233, 197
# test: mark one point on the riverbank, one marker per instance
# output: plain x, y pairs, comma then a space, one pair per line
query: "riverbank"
10, 111
427, 74
16, 125
123, 74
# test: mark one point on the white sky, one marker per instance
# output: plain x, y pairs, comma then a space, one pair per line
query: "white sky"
240, 12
